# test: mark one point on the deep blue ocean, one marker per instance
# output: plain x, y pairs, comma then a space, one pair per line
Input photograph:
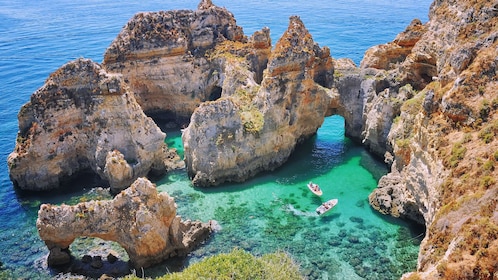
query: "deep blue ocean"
268, 213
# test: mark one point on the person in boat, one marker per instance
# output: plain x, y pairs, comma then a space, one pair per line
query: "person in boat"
314, 186
325, 205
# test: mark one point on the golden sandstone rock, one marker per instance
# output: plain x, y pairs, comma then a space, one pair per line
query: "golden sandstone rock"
255, 126
71, 123
141, 220
426, 102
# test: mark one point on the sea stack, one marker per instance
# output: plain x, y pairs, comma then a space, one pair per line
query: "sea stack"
255, 126
73, 124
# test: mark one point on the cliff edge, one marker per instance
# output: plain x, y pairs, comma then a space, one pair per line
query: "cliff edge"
444, 146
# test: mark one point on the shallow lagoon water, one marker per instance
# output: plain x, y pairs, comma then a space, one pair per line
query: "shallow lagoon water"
276, 211
273, 211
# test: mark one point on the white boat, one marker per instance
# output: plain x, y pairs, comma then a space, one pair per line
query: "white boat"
314, 188
326, 206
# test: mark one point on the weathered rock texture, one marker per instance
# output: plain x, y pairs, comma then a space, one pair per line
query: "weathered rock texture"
254, 127
84, 118
443, 139
426, 102
141, 220
163, 57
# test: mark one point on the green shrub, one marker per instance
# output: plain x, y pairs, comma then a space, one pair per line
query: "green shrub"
487, 134
457, 153
403, 143
486, 182
489, 165
253, 120
494, 103
484, 110
239, 264
413, 106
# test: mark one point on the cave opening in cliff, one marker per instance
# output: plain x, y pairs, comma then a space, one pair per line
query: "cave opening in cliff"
167, 120
215, 93
75, 184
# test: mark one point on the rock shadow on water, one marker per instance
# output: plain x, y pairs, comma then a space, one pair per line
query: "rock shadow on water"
95, 267
93, 258
171, 265
81, 186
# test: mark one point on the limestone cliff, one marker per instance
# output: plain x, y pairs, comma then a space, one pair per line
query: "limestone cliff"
444, 138
162, 56
141, 220
426, 102
81, 119
254, 127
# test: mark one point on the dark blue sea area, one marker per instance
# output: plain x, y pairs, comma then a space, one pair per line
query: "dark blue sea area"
272, 212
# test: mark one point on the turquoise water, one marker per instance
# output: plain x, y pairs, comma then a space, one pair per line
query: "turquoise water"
271, 212
276, 211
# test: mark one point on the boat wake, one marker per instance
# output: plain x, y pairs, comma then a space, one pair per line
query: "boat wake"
290, 208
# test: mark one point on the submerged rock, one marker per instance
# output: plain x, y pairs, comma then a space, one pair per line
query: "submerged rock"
141, 220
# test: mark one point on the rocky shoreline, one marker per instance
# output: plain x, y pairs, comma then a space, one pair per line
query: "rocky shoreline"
425, 102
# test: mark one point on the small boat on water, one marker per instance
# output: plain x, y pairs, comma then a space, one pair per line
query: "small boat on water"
326, 206
314, 188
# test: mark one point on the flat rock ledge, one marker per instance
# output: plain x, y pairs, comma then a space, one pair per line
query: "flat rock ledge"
141, 220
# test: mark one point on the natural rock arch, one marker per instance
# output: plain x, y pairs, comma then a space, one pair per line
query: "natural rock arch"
141, 220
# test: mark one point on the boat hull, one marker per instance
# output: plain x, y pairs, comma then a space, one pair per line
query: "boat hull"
326, 206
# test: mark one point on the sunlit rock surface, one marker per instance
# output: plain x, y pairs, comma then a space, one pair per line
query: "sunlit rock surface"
443, 138
73, 121
164, 58
141, 220
255, 126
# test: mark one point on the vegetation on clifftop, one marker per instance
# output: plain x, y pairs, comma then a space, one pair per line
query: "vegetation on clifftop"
239, 264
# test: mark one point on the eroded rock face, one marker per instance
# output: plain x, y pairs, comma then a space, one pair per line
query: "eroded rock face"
438, 140
255, 127
387, 56
141, 220
164, 56
426, 101
73, 121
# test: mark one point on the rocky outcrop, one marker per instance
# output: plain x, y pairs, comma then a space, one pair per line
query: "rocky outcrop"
164, 57
443, 140
254, 127
81, 119
426, 102
390, 55
141, 220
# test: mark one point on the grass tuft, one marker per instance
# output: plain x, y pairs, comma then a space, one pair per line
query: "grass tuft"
238, 264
